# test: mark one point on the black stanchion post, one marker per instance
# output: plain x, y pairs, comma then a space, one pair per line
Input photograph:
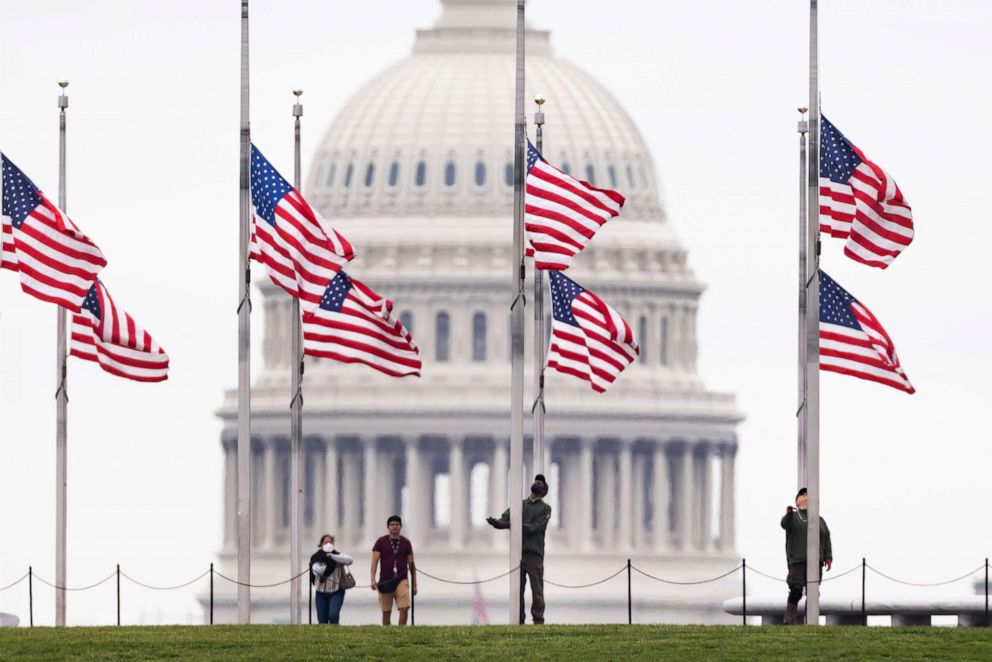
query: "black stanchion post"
31, 595
744, 591
118, 594
630, 602
413, 608
211, 593
310, 605
864, 613
986, 591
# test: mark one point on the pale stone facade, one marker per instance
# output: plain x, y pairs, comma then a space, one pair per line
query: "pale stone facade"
414, 172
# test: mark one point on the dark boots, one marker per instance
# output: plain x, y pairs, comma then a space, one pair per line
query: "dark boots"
790, 614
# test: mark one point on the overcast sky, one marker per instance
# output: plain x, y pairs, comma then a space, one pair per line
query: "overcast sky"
713, 86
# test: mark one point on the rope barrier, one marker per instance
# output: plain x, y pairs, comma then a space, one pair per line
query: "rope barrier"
164, 588
23, 577
80, 588
701, 581
921, 585
822, 581
478, 581
285, 581
601, 581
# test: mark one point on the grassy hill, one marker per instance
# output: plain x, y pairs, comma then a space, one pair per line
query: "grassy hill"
553, 642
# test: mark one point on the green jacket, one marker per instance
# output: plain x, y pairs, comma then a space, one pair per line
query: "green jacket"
795, 527
535, 515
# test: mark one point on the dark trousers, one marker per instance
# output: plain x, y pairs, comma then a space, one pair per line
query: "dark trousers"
797, 581
532, 566
329, 606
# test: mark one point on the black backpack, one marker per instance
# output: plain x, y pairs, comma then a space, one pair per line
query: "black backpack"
321, 556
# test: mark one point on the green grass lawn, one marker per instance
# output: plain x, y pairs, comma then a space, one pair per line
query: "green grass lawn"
553, 642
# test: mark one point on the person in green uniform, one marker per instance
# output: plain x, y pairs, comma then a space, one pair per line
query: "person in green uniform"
535, 517
795, 524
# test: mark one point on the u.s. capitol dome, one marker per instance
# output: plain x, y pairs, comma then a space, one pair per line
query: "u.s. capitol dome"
416, 171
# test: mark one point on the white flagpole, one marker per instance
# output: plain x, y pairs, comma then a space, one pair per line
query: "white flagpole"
244, 355
539, 343
296, 415
61, 402
813, 335
803, 277
517, 334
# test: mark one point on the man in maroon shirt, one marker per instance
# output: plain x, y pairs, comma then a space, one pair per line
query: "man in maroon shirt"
396, 554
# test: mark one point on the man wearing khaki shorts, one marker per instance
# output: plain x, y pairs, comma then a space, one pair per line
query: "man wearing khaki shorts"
396, 554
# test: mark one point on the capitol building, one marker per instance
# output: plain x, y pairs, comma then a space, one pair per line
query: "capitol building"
417, 172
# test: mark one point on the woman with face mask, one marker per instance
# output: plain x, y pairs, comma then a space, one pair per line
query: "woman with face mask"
326, 575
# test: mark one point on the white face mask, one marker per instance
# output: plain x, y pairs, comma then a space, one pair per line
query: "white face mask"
328, 547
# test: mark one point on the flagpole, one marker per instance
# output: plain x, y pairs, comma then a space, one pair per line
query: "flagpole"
539, 342
61, 402
803, 276
296, 414
244, 356
813, 334
517, 334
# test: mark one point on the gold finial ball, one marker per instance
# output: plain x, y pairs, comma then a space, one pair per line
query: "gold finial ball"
539, 99
63, 84
803, 109
297, 92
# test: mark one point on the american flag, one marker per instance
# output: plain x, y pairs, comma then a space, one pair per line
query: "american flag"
853, 342
860, 202
105, 334
353, 324
588, 338
480, 615
300, 249
562, 213
56, 261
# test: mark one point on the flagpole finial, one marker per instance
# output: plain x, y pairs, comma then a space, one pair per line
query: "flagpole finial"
63, 84
803, 110
297, 107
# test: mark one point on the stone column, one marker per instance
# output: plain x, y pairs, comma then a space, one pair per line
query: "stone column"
371, 515
458, 493
638, 485
727, 454
626, 489
703, 458
273, 491
351, 495
329, 519
584, 519
607, 496
230, 495
683, 505
420, 484
498, 479
660, 487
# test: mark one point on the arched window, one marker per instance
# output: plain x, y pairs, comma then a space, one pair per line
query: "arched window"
630, 177
663, 346
642, 333
394, 173
590, 174
449, 173
480, 174
566, 168
347, 175
330, 175
406, 319
508, 174
479, 337
442, 335
612, 172
369, 174
420, 178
